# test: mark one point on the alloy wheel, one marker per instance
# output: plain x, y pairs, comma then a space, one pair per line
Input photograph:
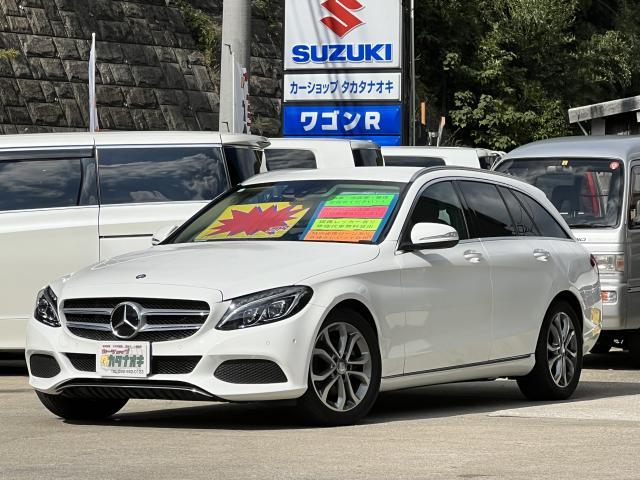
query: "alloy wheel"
562, 349
341, 366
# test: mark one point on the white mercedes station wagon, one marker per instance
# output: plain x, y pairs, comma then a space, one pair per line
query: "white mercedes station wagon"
327, 286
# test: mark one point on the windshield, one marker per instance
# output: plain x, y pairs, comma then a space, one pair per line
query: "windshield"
320, 211
586, 192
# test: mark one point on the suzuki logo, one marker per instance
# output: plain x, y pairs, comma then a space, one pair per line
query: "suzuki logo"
342, 21
127, 320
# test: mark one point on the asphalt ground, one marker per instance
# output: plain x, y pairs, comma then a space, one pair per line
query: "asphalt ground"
464, 431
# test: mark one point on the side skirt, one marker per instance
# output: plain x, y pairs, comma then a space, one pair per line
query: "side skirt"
506, 367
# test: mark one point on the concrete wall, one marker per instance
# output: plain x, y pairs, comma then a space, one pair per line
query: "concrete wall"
151, 74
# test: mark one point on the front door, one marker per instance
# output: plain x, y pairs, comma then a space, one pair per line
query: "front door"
447, 292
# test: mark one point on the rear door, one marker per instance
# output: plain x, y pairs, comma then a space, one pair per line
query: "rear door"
48, 228
521, 271
143, 188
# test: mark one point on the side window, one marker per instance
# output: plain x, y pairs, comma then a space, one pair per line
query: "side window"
413, 161
521, 219
36, 184
634, 202
242, 162
439, 203
367, 157
157, 174
281, 158
491, 217
546, 224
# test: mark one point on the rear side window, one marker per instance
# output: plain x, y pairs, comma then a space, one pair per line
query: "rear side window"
281, 159
242, 162
156, 174
490, 214
547, 225
37, 184
411, 161
521, 218
368, 157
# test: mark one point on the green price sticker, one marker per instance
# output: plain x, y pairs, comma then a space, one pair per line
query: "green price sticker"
346, 224
360, 200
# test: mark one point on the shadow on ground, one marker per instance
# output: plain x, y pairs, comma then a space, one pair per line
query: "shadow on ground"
413, 404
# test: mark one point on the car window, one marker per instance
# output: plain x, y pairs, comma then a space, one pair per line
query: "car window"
367, 157
36, 184
283, 158
412, 161
160, 174
546, 224
439, 203
490, 214
521, 219
242, 162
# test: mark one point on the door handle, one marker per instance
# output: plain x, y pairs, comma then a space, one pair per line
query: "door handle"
472, 256
541, 255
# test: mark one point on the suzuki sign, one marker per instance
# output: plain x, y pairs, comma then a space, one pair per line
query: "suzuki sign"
342, 34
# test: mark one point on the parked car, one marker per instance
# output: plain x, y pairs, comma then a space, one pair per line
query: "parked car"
286, 153
437, 156
70, 200
595, 184
327, 286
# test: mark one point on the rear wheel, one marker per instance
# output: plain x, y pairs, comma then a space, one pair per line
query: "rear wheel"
558, 357
344, 373
81, 408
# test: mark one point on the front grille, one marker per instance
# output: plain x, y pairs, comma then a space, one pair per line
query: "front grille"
164, 319
107, 388
160, 365
250, 372
43, 366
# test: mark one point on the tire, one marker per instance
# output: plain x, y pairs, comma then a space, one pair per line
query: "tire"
81, 408
345, 353
603, 345
540, 383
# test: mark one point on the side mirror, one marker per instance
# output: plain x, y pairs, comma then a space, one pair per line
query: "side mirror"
162, 234
433, 236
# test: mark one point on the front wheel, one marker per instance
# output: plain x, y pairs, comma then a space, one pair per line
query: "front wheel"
81, 408
344, 372
556, 373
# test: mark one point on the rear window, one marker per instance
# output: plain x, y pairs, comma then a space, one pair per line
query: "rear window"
413, 161
282, 159
37, 184
160, 174
369, 157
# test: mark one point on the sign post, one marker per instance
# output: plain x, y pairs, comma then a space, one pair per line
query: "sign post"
343, 77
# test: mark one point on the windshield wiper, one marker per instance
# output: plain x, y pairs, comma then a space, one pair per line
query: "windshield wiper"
590, 225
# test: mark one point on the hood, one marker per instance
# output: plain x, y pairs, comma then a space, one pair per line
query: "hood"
233, 268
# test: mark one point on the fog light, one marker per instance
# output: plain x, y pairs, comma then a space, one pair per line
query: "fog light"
609, 296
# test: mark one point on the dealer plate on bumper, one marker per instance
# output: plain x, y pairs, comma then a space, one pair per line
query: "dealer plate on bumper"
123, 359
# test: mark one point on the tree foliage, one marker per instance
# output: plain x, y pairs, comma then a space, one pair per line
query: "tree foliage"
506, 71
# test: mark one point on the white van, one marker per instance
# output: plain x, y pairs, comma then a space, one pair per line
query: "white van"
438, 156
285, 153
70, 200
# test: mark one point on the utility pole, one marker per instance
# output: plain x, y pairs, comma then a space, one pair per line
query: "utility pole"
413, 73
236, 40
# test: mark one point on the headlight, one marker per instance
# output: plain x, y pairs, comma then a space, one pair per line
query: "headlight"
610, 263
265, 307
47, 308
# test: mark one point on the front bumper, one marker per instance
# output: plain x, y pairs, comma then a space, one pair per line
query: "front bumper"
286, 343
614, 315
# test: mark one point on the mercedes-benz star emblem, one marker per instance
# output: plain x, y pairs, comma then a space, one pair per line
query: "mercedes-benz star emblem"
126, 320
